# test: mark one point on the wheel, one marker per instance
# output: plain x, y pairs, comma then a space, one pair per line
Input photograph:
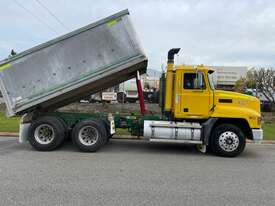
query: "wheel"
227, 140
131, 100
47, 133
89, 135
106, 124
67, 136
121, 97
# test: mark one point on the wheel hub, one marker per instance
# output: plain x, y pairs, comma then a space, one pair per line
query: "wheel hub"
228, 141
44, 134
88, 135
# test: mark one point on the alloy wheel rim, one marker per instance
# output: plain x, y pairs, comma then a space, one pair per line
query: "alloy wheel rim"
229, 141
44, 134
88, 135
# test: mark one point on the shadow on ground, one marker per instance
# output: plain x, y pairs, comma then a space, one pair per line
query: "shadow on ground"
10, 145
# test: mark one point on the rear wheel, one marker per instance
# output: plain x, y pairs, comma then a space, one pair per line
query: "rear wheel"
47, 133
89, 135
121, 97
227, 140
131, 100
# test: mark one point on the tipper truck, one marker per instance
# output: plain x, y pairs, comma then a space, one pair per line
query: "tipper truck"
38, 81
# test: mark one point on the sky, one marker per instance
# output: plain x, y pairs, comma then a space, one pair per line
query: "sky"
209, 32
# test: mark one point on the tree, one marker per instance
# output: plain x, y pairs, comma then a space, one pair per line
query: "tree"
245, 82
240, 85
262, 79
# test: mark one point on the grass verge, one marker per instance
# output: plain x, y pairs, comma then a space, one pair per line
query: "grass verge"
120, 131
9, 124
269, 130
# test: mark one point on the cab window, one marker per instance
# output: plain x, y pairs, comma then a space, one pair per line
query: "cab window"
194, 81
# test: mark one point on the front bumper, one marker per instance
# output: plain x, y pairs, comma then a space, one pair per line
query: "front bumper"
257, 135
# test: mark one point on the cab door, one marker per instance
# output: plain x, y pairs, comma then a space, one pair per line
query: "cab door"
194, 95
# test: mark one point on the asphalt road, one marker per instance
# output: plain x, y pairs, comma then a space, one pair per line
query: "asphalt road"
132, 172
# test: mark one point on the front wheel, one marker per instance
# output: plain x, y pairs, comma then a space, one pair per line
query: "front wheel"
227, 140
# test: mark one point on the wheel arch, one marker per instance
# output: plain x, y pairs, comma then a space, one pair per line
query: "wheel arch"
212, 123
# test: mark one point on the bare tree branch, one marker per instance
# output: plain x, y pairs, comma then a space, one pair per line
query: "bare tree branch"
262, 79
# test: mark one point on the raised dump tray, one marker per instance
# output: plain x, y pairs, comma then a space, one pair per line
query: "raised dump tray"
67, 68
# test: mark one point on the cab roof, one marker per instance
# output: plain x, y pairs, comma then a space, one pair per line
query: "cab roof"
200, 67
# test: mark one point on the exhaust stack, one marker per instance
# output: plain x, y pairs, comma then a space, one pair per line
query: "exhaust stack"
169, 82
171, 54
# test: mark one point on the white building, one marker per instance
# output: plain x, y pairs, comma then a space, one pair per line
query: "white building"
225, 77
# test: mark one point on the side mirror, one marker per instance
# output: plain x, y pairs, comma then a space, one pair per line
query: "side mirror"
198, 82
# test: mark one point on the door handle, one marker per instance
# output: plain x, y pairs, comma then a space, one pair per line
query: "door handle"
197, 91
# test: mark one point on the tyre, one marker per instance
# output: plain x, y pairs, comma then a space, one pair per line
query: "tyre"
227, 140
106, 124
121, 97
131, 100
89, 135
67, 136
47, 133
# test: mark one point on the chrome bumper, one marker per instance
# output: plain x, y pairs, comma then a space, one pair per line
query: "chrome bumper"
257, 135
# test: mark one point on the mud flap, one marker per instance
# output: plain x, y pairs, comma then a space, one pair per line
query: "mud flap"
23, 132
201, 148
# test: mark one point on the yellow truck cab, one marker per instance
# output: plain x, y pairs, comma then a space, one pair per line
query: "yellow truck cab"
220, 120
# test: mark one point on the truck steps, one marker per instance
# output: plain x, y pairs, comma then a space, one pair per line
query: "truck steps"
176, 141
